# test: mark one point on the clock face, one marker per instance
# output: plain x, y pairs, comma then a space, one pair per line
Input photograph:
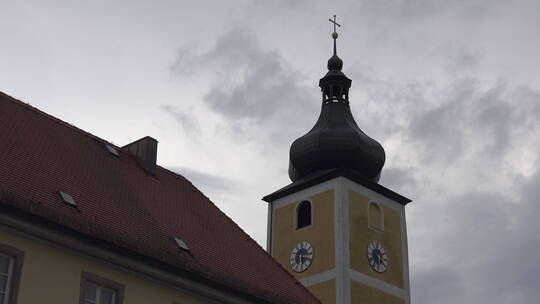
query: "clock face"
301, 256
377, 257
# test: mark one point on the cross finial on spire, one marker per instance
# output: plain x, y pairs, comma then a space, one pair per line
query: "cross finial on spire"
334, 34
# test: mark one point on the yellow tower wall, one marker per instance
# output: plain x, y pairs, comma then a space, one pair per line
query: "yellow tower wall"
325, 291
320, 234
361, 235
361, 293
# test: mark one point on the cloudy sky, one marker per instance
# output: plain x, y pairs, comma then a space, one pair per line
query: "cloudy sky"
450, 88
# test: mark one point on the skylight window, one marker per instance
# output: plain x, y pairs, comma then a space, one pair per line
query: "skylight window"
112, 150
181, 243
68, 199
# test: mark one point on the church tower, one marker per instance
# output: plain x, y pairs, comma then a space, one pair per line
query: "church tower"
338, 231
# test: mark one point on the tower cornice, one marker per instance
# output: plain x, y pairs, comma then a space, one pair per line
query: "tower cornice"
322, 176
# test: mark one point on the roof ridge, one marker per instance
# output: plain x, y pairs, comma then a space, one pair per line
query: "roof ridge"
174, 174
88, 134
56, 119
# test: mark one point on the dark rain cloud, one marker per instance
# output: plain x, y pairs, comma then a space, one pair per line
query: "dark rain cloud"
488, 242
486, 122
438, 285
210, 184
473, 220
255, 89
187, 120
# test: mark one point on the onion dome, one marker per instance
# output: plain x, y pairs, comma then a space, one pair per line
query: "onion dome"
336, 141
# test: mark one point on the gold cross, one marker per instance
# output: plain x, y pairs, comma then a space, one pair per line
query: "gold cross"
334, 22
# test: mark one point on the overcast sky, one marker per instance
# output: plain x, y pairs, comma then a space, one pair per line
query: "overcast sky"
451, 89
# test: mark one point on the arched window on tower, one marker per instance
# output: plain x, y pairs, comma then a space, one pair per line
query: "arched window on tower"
376, 217
303, 214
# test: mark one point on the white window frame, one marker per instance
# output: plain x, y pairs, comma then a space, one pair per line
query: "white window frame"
381, 219
101, 283
9, 276
16, 261
312, 210
99, 288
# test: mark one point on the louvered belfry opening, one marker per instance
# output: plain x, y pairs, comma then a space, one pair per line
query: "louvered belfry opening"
303, 214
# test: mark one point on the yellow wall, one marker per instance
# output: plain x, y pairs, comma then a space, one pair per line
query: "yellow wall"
53, 275
320, 234
361, 236
361, 293
325, 291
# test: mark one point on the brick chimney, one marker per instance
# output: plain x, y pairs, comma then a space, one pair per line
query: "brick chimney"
145, 151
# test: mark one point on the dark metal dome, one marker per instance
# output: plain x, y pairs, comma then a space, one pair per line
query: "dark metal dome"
335, 63
336, 141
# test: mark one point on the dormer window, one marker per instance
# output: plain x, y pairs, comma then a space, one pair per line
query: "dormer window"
303, 214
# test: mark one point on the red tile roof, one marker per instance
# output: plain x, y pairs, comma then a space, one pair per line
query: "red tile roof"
119, 203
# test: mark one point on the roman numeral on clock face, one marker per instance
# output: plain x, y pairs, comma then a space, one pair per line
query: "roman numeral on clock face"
377, 258
301, 256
